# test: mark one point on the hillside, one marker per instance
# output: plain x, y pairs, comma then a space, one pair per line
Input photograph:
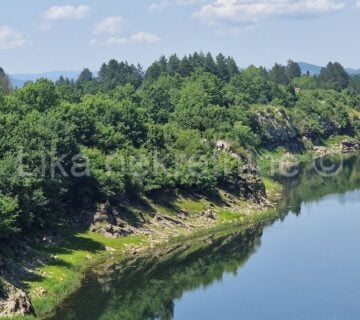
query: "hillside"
187, 144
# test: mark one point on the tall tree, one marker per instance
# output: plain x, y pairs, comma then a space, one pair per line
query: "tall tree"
85, 76
5, 83
278, 74
209, 64
293, 70
222, 68
334, 76
173, 64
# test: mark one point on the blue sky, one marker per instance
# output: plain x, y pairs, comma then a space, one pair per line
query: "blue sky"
47, 35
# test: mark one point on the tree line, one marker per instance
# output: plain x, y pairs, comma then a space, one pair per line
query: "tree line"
177, 109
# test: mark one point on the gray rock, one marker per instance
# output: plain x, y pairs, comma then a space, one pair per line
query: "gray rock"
13, 301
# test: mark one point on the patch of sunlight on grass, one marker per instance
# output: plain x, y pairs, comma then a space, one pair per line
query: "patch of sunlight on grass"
70, 259
192, 206
226, 216
272, 187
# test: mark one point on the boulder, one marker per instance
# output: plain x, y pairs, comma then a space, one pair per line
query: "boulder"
209, 214
13, 301
320, 150
223, 145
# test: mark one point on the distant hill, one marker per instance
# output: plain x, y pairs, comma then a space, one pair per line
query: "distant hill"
315, 70
18, 80
353, 71
16, 83
312, 68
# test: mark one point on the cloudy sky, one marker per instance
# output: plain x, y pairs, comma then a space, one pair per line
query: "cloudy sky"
47, 35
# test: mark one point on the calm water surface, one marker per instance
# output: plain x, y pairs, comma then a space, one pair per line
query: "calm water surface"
303, 266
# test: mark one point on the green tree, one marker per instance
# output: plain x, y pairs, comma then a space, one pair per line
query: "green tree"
85, 76
5, 83
8, 216
198, 92
293, 70
40, 95
334, 77
278, 74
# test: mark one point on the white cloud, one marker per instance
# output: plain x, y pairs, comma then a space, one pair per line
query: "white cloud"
159, 6
188, 2
138, 38
11, 38
114, 41
144, 37
110, 25
358, 3
256, 10
66, 12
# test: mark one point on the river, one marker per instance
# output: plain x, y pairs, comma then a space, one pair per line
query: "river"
303, 266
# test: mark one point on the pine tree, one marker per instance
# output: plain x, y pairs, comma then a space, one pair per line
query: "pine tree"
85, 76
293, 70
5, 83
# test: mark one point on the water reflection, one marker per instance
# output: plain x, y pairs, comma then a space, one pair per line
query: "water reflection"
147, 287
312, 184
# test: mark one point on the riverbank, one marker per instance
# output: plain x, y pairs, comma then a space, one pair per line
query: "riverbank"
57, 267
61, 264
238, 266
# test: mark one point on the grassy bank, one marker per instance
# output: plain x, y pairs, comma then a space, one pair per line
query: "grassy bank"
77, 253
54, 281
80, 250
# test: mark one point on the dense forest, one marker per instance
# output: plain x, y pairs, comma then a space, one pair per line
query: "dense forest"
156, 130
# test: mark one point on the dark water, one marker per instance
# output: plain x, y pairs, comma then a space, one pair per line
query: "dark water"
305, 265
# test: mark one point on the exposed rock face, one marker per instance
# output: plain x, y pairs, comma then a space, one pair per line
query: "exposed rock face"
223, 145
350, 146
247, 185
208, 214
107, 221
276, 127
251, 186
13, 301
320, 150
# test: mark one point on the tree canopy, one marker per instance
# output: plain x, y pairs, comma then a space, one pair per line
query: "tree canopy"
157, 130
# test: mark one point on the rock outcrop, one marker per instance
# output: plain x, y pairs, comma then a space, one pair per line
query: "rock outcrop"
107, 221
276, 128
13, 301
350, 146
247, 185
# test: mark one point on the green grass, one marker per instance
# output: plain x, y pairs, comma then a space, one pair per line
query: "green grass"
70, 259
192, 206
82, 249
230, 216
273, 188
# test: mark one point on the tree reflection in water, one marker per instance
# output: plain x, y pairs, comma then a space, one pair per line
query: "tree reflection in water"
147, 287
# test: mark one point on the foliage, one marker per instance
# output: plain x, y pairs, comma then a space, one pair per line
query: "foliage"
334, 77
155, 130
5, 84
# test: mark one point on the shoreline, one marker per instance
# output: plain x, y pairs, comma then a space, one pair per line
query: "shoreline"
268, 216
63, 276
